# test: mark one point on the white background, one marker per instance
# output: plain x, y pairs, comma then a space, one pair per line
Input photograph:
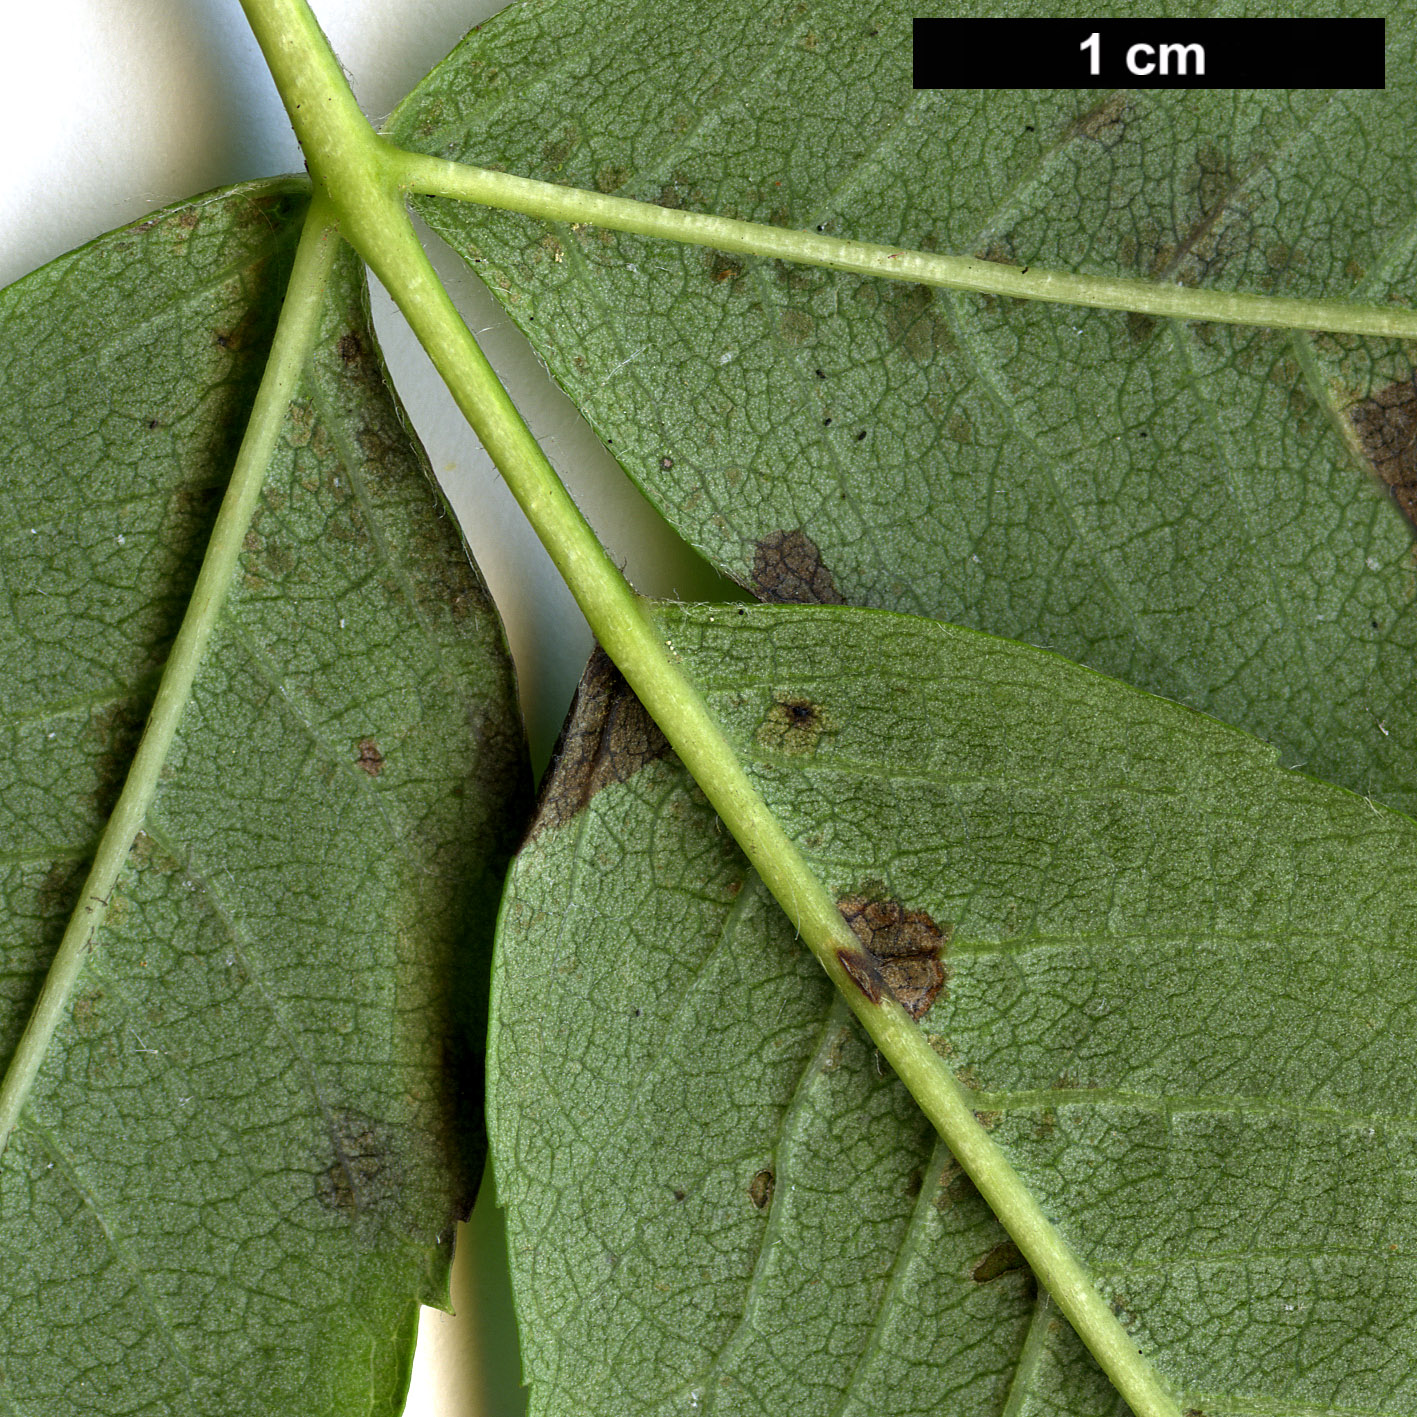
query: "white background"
112, 108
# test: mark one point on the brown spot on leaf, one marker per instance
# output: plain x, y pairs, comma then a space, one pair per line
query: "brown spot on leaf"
723, 267
1105, 122
1219, 228
361, 1177
864, 971
60, 888
915, 324
793, 726
112, 737
905, 946
795, 326
370, 758
248, 333
555, 152
608, 738
351, 347
1385, 426
788, 570
761, 1187
1004, 1258
955, 1188
1140, 328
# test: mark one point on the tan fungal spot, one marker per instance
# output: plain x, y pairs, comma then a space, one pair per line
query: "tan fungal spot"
370, 758
1004, 1258
788, 570
608, 738
1105, 122
1385, 426
761, 1187
793, 726
904, 945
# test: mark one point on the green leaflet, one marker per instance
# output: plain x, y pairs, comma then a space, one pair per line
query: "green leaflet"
1187, 507
237, 1174
1177, 979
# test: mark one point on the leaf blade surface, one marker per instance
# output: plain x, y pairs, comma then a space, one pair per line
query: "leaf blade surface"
237, 1174
1190, 508
1174, 981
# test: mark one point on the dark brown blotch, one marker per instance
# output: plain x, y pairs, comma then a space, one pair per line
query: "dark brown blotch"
915, 323
905, 945
761, 1187
955, 1188
788, 570
1004, 1258
794, 725
249, 332
370, 758
1140, 328
351, 347
864, 972
1385, 426
608, 737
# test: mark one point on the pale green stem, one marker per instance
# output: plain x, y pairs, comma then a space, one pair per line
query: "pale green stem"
361, 183
437, 177
294, 339
624, 624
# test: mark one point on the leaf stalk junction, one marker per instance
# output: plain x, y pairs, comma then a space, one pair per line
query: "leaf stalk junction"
363, 177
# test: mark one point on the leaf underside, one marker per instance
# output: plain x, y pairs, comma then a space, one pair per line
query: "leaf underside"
238, 1173
1177, 980
715, 1200
1199, 510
